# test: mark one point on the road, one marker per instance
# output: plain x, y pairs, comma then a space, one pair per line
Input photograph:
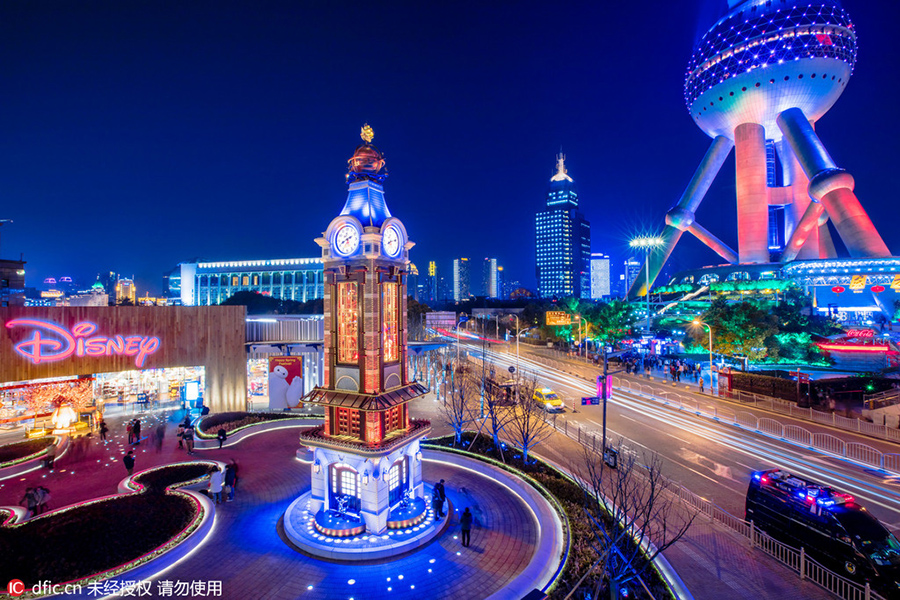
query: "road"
712, 459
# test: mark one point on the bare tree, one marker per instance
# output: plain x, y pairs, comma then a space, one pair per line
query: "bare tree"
628, 508
458, 403
493, 406
528, 426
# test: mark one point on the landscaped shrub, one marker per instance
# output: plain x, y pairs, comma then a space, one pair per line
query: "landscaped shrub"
94, 537
231, 421
11, 452
157, 480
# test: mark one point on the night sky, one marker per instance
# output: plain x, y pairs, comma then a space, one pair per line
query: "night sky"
136, 135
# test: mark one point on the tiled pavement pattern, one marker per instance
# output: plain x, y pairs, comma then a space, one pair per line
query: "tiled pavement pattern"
247, 553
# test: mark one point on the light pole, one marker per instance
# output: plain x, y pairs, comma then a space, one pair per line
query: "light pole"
462, 319
647, 244
709, 329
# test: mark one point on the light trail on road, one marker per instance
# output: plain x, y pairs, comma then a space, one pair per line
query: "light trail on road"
710, 458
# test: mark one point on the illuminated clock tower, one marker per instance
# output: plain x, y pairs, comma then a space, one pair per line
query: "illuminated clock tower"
366, 458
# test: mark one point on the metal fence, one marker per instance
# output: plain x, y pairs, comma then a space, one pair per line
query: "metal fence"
825, 442
794, 559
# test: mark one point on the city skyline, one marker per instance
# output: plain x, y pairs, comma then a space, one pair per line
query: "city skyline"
144, 135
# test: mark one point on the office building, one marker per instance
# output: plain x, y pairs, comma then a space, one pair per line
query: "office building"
12, 283
126, 292
490, 278
599, 276
563, 240
460, 279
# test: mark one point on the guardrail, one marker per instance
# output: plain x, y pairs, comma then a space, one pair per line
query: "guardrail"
771, 427
794, 559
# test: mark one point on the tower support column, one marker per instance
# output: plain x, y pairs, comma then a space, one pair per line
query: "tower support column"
752, 193
832, 186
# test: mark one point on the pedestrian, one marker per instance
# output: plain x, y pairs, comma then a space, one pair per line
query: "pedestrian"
29, 501
130, 429
128, 459
160, 436
189, 439
216, 481
465, 524
221, 435
700, 384
136, 428
435, 501
42, 499
103, 430
442, 497
180, 435
230, 478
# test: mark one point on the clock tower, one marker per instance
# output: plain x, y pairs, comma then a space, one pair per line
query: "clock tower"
366, 458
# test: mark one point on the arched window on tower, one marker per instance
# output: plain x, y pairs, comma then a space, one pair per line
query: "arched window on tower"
398, 480
344, 484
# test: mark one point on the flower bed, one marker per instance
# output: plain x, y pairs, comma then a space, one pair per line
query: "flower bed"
94, 538
157, 480
234, 421
11, 453
570, 498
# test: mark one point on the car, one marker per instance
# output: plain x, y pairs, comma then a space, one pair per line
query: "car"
548, 400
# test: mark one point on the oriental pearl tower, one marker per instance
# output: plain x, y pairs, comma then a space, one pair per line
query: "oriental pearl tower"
758, 81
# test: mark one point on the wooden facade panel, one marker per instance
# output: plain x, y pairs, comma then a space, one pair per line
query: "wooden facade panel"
189, 336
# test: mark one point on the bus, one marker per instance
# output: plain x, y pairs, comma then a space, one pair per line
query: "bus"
832, 528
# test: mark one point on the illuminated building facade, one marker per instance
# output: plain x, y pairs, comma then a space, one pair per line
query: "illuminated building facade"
599, 276
563, 240
210, 283
12, 283
461, 290
126, 292
759, 81
366, 454
490, 278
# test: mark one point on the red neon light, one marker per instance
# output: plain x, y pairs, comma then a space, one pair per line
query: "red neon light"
853, 348
50, 342
877, 288
838, 289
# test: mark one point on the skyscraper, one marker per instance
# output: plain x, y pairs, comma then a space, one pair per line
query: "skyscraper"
490, 278
460, 279
599, 276
563, 239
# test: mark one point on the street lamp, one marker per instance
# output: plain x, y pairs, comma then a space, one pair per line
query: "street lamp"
647, 244
708, 328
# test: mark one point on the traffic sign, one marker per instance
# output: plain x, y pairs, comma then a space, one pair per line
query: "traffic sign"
586, 401
512, 369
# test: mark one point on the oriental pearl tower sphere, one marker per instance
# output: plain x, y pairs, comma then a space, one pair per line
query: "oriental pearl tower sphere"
758, 81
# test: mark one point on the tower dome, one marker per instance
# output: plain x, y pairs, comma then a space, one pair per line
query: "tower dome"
562, 187
367, 161
766, 56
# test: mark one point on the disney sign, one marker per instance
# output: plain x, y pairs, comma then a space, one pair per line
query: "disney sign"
50, 342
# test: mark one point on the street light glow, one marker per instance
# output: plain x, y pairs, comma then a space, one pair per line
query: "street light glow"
649, 241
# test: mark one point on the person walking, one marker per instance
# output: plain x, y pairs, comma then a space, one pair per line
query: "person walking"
189, 439
136, 428
216, 481
160, 436
221, 435
29, 501
441, 497
130, 429
42, 499
128, 460
104, 429
230, 479
700, 385
465, 525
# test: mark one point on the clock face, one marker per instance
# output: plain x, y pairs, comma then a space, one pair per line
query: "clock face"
346, 240
391, 242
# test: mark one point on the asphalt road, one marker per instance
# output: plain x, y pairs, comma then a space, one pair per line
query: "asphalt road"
712, 459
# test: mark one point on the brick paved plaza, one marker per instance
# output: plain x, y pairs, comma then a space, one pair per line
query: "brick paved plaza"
248, 553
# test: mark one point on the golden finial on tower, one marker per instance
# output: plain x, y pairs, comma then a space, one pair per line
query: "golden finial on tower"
367, 134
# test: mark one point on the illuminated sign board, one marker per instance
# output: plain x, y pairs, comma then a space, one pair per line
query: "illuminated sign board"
51, 294
558, 318
895, 284
858, 283
51, 342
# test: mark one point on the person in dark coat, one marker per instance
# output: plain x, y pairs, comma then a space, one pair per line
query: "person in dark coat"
465, 524
128, 459
230, 478
104, 429
136, 428
441, 497
222, 435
